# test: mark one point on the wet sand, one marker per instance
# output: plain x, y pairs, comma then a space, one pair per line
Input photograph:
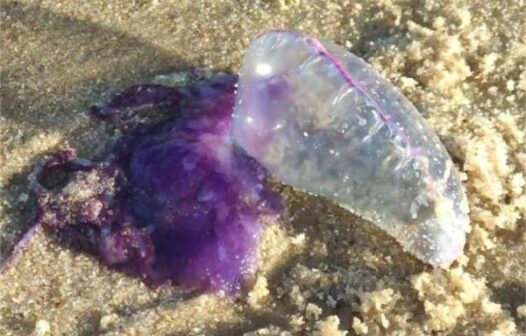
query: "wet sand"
461, 63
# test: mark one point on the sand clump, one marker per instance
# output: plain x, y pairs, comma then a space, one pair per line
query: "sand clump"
328, 272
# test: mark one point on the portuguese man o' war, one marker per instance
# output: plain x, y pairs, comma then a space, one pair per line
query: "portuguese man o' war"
322, 120
185, 201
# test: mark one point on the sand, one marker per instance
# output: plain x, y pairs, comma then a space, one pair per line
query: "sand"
462, 63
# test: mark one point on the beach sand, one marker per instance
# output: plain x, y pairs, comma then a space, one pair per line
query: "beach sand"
462, 63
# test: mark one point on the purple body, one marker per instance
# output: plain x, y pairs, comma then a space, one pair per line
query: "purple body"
174, 202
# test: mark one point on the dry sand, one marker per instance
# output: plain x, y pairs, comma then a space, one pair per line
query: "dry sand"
462, 63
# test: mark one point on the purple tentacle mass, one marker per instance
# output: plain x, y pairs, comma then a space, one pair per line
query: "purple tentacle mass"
174, 202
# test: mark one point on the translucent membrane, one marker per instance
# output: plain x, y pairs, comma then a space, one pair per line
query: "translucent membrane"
322, 120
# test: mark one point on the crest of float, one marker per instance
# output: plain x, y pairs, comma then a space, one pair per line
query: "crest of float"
322, 120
